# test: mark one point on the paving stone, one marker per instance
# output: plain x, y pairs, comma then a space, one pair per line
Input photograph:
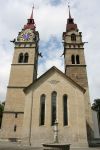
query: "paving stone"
16, 146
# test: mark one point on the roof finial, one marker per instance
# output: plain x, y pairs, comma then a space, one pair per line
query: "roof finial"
32, 12
69, 9
68, 2
69, 12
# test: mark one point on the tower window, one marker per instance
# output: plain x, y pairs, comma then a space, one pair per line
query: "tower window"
42, 110
78, 46
74, 46
65, 111
70, 21
26, 57
73, 37
15, 128
53, 107
16, 115
20, 59
77, 59
73, 59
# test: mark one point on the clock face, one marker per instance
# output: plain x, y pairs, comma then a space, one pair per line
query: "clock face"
26, 36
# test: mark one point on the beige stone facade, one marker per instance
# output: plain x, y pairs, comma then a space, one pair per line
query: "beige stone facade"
22, 74
75, 131
75, 66
23, 108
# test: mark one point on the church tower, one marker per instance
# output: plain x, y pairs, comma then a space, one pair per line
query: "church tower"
23, 72
75, 65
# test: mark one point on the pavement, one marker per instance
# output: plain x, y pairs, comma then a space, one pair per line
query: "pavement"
19, 146
15, 146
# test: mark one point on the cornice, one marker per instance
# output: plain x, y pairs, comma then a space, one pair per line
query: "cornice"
74, 48
16, 87
76, 65
24, 47
22, 64
13, 112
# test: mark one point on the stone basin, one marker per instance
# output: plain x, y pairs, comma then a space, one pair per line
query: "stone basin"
56, 146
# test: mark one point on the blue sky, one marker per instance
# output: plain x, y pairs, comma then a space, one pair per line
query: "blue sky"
55, 2
51, 17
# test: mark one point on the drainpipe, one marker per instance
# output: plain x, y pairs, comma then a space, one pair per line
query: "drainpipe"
30, 127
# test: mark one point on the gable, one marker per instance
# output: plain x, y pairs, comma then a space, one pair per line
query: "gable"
53, 77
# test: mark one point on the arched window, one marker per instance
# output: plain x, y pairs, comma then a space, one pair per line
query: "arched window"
26, 57
53, 107
15, 128
73, 37
77, 59
20, 59
42, 109
65, 111
73, 59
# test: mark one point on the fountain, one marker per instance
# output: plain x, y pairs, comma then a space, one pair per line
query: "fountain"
56, 145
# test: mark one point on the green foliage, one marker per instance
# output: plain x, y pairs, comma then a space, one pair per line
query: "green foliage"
1, 112
1, 108
96, 105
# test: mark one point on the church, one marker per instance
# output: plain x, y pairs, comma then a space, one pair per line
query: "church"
33, 104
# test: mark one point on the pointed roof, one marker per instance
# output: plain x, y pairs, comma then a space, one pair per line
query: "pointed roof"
53, 69
31, 23
31, 17
70, 22
69, 12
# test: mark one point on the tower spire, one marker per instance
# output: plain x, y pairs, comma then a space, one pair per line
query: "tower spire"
69, 11
31, 23
31, 17
68, 3
70, 21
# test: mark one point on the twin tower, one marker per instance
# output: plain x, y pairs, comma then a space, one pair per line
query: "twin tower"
34, 104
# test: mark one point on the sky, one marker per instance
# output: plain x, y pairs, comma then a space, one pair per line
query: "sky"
51, 18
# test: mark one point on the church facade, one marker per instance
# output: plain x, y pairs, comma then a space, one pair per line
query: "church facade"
34, 104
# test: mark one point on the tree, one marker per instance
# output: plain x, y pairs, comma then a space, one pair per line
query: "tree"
96, 107
1, 112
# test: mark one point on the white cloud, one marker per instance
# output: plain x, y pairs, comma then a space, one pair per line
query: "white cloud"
5, 61
52, 51
51, 20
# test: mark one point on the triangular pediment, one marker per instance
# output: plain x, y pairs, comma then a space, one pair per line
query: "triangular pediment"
47, 75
